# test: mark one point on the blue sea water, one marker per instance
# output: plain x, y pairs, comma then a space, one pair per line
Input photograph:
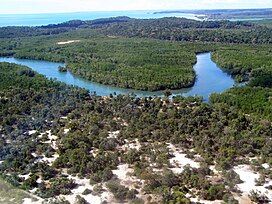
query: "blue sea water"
45, 19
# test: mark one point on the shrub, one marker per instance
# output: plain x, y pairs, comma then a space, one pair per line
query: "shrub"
121, 192
257, 197
87, 191
215, 192
80, 200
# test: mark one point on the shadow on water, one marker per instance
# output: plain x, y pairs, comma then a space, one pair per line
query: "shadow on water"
210, 78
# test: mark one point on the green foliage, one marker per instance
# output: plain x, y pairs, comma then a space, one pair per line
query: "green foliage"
214, 192
245, 61
62, 69
189, 30
87, 191
178, 197
261, 77
102, 176
121, 192
57, 186
30, 183
250, 100
257, 197
80, 200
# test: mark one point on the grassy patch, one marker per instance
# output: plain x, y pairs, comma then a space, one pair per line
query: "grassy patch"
10, 194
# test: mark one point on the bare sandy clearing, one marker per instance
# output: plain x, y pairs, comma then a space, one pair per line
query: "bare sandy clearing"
124, 173
31, 132
84, 184
249, 177
179, 161
30, 201
67, 42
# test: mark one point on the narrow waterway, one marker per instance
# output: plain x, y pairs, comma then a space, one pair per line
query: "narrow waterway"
210, 78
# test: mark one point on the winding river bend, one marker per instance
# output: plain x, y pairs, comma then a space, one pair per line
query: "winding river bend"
210, 78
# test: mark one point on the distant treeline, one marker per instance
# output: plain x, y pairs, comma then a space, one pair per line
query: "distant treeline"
53, 29
178, 29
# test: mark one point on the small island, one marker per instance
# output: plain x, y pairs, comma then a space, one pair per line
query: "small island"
62, 69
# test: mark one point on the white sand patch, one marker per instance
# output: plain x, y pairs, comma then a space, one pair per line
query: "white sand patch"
54, 145
34, 154
242, 199
66, 131
84, 184
25, 177
50, 136
135, 144
30, 201
51, 140
266, 166
39, 180
33, 190
206, 201
253, 158
113, 134
124, 173
31, 132
67, 42
213, 169
94, 152
125, 124
179, 161
41, 135
249, 177
104, 197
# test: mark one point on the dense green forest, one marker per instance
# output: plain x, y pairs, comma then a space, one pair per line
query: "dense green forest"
265, 22
252, 100
178, 29
144, 64
247, 62
192, 31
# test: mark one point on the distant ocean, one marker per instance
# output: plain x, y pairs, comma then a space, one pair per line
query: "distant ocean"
45, 19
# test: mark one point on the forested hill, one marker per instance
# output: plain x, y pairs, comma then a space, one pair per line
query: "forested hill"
52, 29
193, 31
179, 29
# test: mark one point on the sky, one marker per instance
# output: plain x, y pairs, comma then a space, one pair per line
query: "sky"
60, 6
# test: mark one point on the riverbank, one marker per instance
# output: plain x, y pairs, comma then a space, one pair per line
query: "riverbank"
210, 78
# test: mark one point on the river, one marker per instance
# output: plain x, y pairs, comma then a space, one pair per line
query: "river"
210, 78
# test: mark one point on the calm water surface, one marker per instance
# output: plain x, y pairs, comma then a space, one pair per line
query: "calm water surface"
45, 19
210, 78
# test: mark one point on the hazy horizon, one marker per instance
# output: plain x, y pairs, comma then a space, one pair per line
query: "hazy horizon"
75, 6
151, 10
